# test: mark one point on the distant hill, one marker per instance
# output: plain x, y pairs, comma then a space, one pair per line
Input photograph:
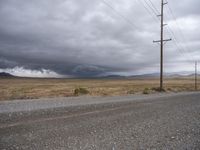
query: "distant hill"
114, 77
6, 75
129, 77
145, 75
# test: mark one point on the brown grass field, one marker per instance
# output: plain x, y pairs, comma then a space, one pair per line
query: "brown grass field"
25, 88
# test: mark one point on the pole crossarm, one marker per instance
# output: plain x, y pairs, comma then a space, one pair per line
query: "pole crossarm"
158, 41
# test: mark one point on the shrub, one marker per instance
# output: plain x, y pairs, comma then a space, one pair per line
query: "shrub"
146, 91
169, 89
80, 91
157, 89
163, 90
131, 92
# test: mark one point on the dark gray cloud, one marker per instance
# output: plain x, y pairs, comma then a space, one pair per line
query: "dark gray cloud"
83, 38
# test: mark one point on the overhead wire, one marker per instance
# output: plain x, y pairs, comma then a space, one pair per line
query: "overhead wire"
149, 11
179, 29
153, 10
180, 49
119, 14
150, 7
152, 4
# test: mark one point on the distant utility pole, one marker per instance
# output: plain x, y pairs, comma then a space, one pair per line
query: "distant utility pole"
161, 41
196, 74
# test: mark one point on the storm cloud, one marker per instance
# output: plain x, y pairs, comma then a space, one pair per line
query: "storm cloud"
89, 38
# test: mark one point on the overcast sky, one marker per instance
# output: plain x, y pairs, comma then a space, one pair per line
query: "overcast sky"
89, 38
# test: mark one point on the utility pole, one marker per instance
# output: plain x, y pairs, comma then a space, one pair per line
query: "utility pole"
161, 41
196, 76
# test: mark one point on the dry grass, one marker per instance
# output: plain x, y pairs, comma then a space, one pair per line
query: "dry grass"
22, 88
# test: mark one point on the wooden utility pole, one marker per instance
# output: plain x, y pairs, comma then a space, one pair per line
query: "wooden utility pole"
161, 41
196, 88
161, 48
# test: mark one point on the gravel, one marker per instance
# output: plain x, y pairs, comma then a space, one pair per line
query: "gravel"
169, 121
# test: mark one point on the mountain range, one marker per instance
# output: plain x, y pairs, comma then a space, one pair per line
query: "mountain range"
153, 75
6, 75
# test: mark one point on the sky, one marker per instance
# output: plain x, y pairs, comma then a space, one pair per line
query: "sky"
78, 38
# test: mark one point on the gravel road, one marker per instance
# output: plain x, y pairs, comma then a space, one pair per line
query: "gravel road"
163, 121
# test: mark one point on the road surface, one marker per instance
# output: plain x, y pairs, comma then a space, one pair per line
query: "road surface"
164, 121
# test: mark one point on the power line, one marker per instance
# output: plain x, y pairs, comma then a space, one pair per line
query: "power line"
152, 4
179, 47
153, 10
180, 31
149, 11
120, 15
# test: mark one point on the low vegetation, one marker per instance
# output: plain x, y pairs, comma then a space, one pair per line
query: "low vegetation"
146, 91
131, 92
156, 89
80, 91
24, 88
